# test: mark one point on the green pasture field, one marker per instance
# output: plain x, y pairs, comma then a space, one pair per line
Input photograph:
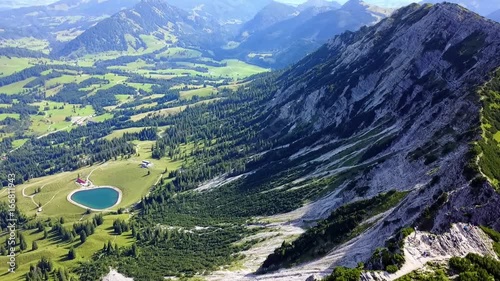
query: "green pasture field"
15, 88
201, 92
11, 115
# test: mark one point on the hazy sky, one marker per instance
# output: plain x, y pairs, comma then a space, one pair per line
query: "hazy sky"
382, 3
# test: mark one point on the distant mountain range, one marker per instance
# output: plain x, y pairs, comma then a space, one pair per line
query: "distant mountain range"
224, 11
318, 3
70, 17
262, 32
277, 35
291, 39
93, 8
12, 4
147, 20
268, 16
276, 12
79, 15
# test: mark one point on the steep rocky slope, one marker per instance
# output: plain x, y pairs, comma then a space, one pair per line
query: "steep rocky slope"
390, 107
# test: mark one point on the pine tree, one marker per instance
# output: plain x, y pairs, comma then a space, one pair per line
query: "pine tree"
109, 249
135, 251
40, 226
71, 254
34, 246
22, 243
83, 236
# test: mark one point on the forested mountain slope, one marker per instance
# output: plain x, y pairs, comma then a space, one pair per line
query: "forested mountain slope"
360, 140
131, 28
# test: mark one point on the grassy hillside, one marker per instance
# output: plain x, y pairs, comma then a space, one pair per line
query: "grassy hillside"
52, 248
488, 148
104, 97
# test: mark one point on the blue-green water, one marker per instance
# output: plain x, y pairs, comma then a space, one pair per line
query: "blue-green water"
98, 198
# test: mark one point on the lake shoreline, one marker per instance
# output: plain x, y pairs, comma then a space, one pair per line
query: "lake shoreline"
118, 200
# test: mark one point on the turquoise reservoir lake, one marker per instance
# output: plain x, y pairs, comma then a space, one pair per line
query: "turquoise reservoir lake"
97, 198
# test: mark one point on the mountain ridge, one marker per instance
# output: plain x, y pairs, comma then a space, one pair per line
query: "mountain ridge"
395, 106
483, 7
148, 18
290, 40
268, 16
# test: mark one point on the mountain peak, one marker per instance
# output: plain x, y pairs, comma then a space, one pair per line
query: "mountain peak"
354, 3
152, 18
318, 4
359, 6
275, 4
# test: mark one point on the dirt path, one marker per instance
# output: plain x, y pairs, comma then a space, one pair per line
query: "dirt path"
32, 197
137, 148
50, 133
16, 148
479, 167
73, 122
50, 199
158, 180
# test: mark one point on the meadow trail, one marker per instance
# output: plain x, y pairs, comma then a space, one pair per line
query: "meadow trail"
32, 197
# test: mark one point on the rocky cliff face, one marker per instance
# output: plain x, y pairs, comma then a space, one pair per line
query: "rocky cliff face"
413, 76
395, 107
